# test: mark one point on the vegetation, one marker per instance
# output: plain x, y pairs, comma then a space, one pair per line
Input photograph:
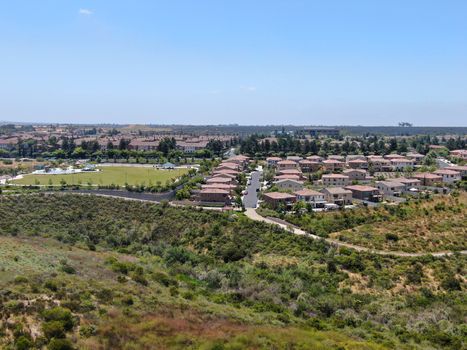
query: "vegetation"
109, 175
92, 272
419, 225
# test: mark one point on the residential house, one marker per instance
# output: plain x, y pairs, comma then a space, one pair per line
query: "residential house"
379, 164
333, 165
283, 177
337, 195
355, 174
317, 159
391, 188
335, 180
401, 164
316, 199
275, 199
337, 157
357, 164
272, 161
410, 184
416, 157
308, 166
221, 180
296, 172
365, 193
449, 176
294, 158
225, 187
216, 195
462, 169
289, 184
287, 164
459, 153
428, 179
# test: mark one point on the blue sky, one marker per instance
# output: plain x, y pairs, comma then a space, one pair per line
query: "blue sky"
309, 62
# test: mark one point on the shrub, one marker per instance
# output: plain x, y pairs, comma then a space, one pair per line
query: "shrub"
59, 314
392, 237
60, 344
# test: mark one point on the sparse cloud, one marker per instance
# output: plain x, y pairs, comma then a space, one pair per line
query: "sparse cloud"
86, 12
249, 88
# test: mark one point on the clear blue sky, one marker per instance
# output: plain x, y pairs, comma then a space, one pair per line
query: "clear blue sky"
374, 62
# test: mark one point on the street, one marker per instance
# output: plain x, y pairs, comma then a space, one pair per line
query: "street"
250, 200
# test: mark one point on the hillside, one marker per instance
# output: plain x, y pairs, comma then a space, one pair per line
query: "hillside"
97, 273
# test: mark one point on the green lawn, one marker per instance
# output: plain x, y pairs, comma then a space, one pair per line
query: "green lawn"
108, 176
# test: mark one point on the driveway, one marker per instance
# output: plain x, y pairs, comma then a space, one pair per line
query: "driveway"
250, 200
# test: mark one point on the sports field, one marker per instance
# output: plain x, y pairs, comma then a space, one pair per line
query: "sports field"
107, 176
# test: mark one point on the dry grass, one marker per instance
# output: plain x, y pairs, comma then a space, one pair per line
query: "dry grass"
427, 228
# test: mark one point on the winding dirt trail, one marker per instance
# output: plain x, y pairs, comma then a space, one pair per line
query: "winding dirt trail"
253, 215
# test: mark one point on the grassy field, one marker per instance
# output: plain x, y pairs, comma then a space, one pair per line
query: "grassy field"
108, 176
436, 225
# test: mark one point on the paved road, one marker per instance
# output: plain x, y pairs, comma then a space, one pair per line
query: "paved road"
250, 200
252, 214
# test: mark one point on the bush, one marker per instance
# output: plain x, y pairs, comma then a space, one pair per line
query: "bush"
391, 237
59, 314
54, 329
60, 344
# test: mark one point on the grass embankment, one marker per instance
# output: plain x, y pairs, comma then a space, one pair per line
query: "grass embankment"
424, 226
130, 275
111, 175
420, 225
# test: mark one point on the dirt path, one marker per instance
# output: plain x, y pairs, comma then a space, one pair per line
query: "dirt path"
253, 215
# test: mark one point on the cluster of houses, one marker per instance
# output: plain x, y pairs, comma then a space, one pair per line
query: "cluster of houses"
139, 141
347, 179
220, 185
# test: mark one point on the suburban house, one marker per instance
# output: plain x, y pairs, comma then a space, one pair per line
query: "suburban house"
289, 184
336, 157
462, 169
391, 188
224, 175
408, 183
449, 176
287, 164
286, 176
317, 159
277, 198
337, 195
229, 165
393, 156
296, 172
357, 164
225, 187
294, 158
380, 164
400, 164
459, 153
309, 166
221, 180
365, 193
233, 173
272, 161
335, 180
416, 157
428, 179
316, 199
332, 165
214, 195
355, 174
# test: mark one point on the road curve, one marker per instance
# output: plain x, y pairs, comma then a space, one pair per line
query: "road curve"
253, 215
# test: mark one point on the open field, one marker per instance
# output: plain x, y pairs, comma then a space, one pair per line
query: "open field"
436, 225
108, 176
